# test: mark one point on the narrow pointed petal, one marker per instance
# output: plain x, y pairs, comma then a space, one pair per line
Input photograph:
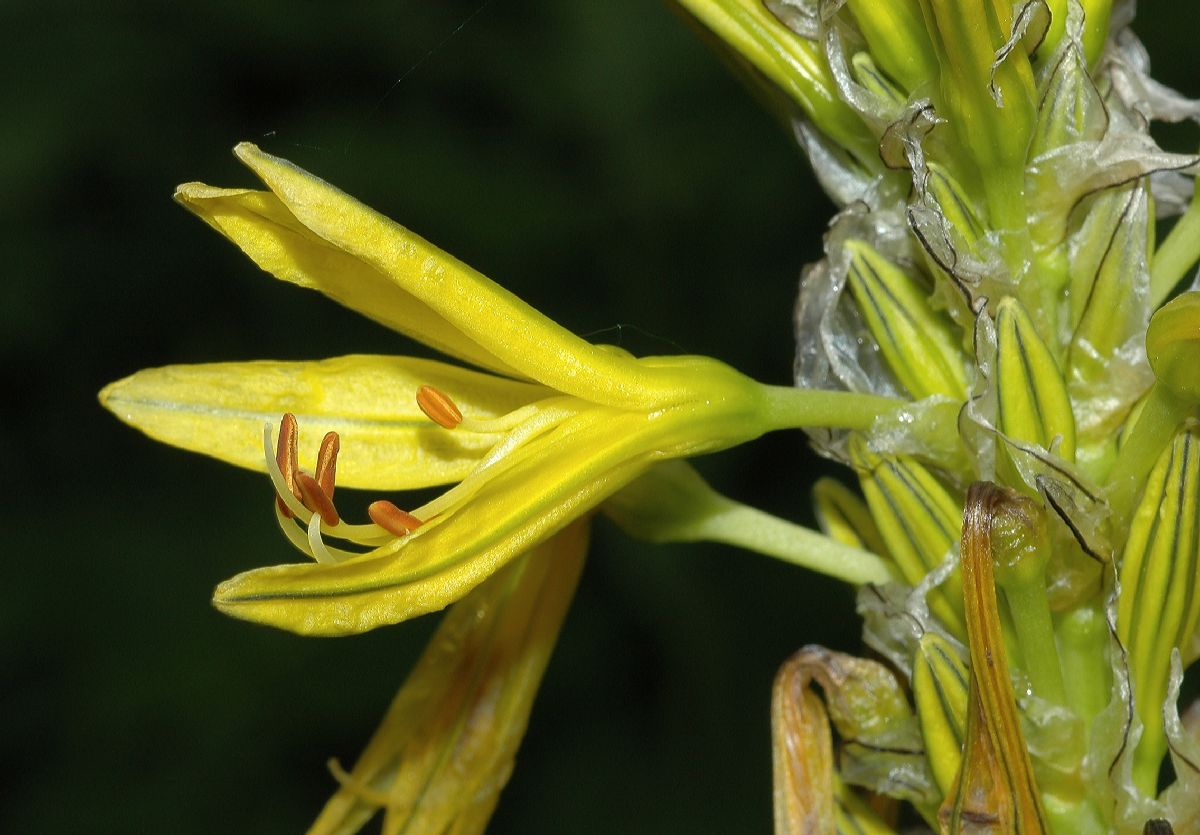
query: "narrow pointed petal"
406, 271
446, 747
219, 409
266, 230
551, 481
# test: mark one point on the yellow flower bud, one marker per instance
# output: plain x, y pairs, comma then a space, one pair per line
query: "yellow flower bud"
920, 346
917, 518
1160, 570
1033, 405
940, 687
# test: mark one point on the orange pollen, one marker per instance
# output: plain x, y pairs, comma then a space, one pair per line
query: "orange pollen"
327, 462
285, 456
316, 499
438, 407
392, 519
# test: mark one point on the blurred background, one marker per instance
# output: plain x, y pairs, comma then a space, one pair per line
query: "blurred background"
596, 159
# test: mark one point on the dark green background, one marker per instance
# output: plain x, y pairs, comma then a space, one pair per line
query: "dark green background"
593, 157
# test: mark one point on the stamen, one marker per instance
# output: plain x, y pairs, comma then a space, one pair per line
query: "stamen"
316, 499
327, 462
285, 456
392, 519
438, 407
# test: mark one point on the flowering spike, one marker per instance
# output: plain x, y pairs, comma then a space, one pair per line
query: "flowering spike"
438, 407
392, 519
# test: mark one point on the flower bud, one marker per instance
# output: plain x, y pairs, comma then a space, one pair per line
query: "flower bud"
1160, 569
918, 519
988, 94
920, 346
1033, 405
844, 517
895, 33
795, 65
940, 688
1173, 346
958, 207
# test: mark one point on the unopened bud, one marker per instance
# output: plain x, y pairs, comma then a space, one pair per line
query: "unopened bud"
1033, 404
920, 345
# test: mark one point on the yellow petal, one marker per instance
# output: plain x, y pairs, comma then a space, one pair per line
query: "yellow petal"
263, 228
410, 271
446, 746
219, 409
551, 481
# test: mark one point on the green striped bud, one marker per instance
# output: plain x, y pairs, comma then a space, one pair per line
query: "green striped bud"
895, 33
1173, 346
795, 65
1158, 608
1033, 405
843, 516
875, 82
920, 346
940, 684
918, 519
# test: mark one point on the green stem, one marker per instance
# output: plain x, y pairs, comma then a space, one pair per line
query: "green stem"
795, 408
1084, 643
1161, 417
1178, 253
734, 523
1035, 633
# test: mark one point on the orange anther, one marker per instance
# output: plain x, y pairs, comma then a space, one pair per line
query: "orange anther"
285, 456
392, 519
327, 462
316, 500
438, 407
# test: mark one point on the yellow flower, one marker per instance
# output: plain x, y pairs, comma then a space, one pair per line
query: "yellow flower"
446, 747
557, 427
